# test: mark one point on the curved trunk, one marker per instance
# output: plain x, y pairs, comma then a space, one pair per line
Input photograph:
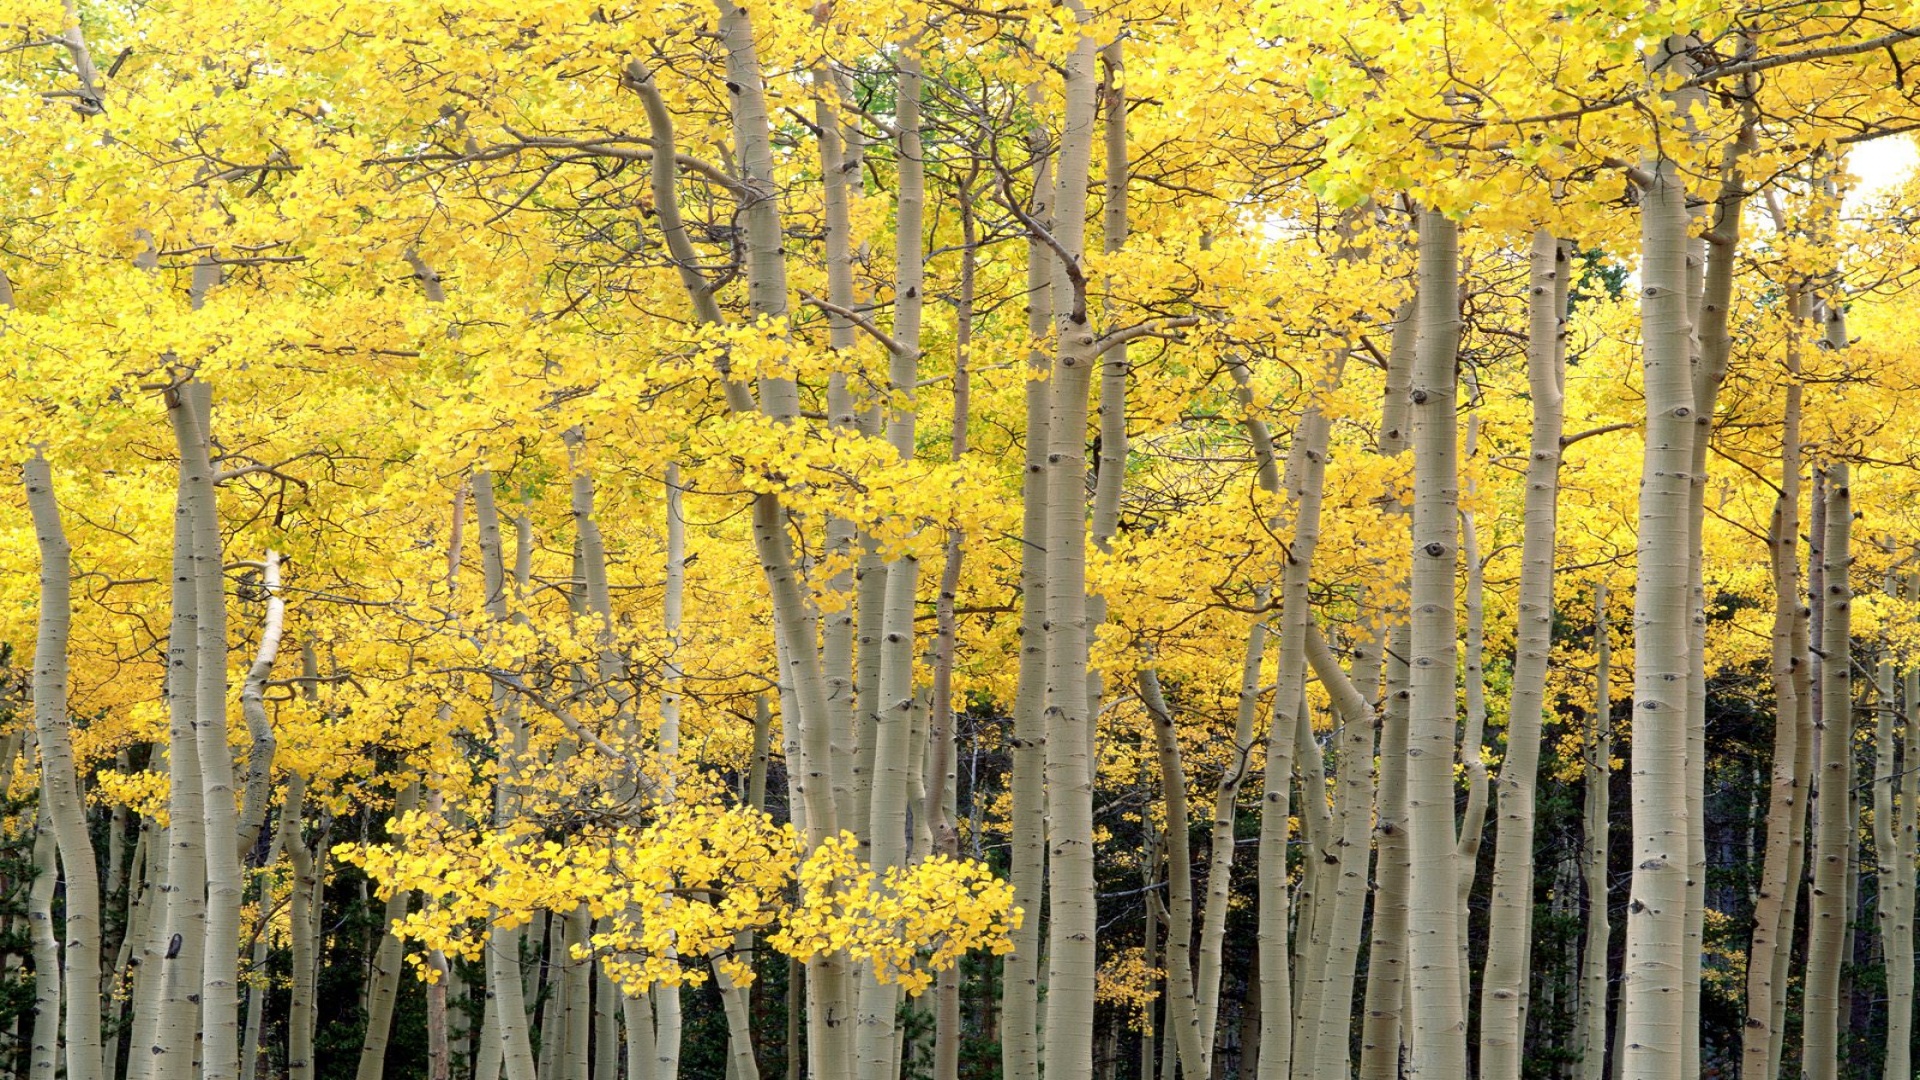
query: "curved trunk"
60, 783
1182, 1017
1347, 879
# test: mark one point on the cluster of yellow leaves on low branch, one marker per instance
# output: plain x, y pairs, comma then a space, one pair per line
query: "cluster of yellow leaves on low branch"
676, 894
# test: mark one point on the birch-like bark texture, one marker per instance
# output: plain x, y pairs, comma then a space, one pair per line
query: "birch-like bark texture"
1907, 852
1382, 1030
876, 1042
43, 1056
1894, 875
1221, 845
1831, 918
259, 785
219, 991
1656, 911
1595, 803
941, 736
506, 1005
1354, 718
1786, 798
60, 784
1071, 959
1806, 703
1182, 1017
1503, 990
383, 978
1437, 1037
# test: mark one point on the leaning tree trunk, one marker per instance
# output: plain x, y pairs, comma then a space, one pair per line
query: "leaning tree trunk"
60, 783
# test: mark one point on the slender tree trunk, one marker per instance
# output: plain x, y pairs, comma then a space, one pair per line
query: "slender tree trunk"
43, 1059
1213, 921
60, 783
1182, 1016
1595, 806
1020, 978
1504, 985
306, 880
1894, 876
1438, 1032
1347, 882
1656, 911
1071, 956
1831, 919
1772, 931
383, 977
1381, 1035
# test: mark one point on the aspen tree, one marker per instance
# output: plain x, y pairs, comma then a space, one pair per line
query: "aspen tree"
1020, 1046
1437, 1035
383, 976
1355, 724
1831, 920
43, 1055
1504, 984
1381, 1033
1656, 911
506, 1005
1069, 769
1894, 875
1772, 930
876, 1046
80, 964
1595, 803
942, 745
1182, 1019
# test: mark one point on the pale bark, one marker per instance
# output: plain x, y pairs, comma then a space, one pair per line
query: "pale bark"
1592, 1025
1894, 875
1831, 918
1504, 985
304, 906
1381, 1033
43, 1057
1346, 879
1656, 912
1437, 1035
1787, 787
191, 409
259, 785
1303, 482
1071, 958
60, 783
1213, 920
941, 740
507, 1009
383, 977
1182, 1017
1019, 1045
